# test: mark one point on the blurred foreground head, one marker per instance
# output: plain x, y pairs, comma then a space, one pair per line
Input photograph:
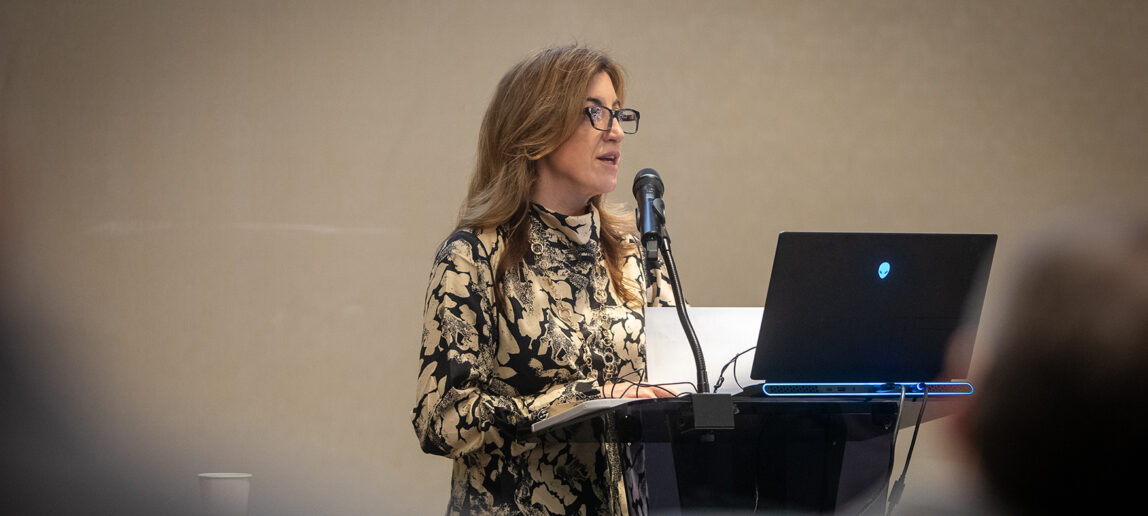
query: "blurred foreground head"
1058, 425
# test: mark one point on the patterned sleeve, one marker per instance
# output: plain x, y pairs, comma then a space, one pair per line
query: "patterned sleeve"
660, 293
459, 408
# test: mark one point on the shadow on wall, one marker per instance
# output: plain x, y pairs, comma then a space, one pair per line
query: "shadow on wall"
54, 463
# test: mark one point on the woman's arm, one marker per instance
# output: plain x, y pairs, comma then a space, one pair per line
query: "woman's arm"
458, 408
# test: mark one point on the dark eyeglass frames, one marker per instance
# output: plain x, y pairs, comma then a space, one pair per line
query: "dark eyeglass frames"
602, 118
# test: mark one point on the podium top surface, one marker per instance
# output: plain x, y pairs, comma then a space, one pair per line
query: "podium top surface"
596, 408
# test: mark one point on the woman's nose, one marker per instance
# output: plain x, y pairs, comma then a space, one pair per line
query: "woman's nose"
616, 132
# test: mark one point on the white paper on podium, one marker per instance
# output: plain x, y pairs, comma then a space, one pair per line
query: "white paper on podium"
722, 333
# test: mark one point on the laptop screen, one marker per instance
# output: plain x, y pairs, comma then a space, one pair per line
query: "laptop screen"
870, 307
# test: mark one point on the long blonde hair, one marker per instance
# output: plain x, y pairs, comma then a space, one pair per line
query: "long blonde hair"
536, 107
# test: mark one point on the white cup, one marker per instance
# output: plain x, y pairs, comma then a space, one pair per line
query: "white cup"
224, 494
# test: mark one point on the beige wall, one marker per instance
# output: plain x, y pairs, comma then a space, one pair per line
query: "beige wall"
233, 206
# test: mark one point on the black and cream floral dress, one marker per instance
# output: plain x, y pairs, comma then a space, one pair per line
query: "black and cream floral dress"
485, 376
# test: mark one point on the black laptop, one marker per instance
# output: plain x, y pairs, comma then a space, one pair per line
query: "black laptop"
871, 314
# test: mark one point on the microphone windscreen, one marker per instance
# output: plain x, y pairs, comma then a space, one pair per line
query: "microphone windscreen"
648, 176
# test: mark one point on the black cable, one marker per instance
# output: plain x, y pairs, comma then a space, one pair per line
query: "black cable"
632, 385
892, 453
721, 374
663, 386
739, 385
735, 380
637, 385
899, 485
618, 379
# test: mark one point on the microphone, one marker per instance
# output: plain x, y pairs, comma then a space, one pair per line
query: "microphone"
648, 191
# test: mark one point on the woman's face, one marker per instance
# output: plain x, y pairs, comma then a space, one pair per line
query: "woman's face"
586, 164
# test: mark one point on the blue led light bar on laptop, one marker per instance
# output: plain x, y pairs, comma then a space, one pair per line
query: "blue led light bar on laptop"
866, 389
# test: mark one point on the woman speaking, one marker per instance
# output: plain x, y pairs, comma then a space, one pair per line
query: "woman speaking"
535, 303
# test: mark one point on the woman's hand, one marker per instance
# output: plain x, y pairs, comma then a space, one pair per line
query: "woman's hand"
631, 390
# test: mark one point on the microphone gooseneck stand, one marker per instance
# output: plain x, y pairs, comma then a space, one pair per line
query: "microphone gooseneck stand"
710, 411
680, 304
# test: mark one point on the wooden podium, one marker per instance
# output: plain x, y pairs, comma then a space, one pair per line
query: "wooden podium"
718, 453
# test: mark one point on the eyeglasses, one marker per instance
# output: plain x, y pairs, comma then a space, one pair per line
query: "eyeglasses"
627, 118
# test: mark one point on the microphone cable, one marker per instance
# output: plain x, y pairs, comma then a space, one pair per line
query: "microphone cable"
632, 385
732, 361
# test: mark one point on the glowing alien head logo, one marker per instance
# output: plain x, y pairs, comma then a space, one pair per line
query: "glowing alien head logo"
883, 270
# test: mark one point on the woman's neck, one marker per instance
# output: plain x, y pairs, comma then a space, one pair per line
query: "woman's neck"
566, 205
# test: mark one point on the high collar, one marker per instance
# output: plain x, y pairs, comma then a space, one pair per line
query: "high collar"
579, 229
